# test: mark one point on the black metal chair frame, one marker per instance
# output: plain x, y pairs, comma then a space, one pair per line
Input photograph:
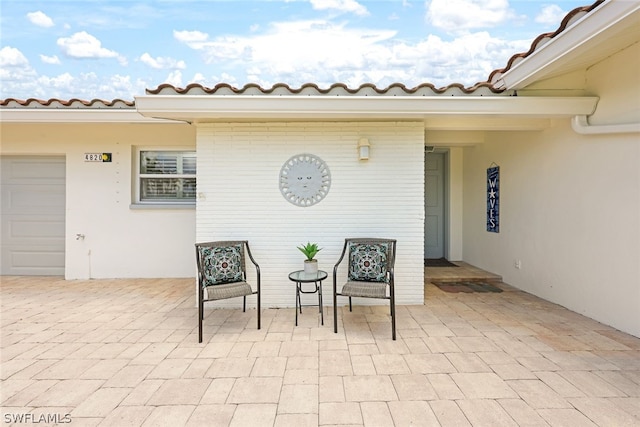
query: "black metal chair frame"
390, 280
202, 300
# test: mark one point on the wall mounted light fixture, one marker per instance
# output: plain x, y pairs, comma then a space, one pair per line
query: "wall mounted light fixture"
363, 149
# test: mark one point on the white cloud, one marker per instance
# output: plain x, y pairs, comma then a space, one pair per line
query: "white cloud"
53, 60
23, 82
462, 15
40, 19
550, 15
326, 53
174, 78
12, 57
345, 6
162, 63
227, 78
315, 44
63, 82
20, 80
15, 73
120, 83
33, 86
83, 45
467, 59
110, 87
190, 37
198, 78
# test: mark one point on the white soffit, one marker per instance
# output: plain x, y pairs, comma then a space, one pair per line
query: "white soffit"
244, 108
611, 27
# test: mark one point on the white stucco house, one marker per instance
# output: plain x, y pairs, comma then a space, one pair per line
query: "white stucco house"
561, 121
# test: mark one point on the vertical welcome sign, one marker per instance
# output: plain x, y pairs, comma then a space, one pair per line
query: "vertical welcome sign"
493, 199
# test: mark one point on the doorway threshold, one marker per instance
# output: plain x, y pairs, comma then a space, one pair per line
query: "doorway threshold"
462, 271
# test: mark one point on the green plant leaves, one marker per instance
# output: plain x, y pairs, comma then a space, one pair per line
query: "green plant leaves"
309, 250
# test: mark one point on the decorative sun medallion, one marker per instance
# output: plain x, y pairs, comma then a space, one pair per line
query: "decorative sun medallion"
304, 180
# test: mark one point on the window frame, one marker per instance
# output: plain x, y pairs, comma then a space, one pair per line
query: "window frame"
137, 177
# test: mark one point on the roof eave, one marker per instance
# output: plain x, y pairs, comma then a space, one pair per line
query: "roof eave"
559, 51
199, 108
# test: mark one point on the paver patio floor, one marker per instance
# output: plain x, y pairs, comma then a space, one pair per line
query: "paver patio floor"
125, 352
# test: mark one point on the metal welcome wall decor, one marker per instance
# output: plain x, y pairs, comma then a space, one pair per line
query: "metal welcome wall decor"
493, 199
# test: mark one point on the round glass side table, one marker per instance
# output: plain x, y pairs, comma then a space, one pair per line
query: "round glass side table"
301, 278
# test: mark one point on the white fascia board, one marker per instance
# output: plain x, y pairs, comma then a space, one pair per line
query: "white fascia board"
545, 57
202, 108
64, 115
471, 123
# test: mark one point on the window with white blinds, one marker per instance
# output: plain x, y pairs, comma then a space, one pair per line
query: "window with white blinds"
167, 176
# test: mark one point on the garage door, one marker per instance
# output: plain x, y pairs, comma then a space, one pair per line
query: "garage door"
32, 215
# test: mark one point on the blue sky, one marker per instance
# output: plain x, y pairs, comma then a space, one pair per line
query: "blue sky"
116, 49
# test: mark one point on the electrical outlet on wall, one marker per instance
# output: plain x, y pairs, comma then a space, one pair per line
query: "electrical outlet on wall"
517, 264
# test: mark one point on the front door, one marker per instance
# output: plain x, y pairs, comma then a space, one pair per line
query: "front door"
434, 205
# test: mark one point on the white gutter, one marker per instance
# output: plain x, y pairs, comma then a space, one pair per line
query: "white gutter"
581, 125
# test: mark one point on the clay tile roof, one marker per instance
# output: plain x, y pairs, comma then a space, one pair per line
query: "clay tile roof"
69, 104
336, 89
539, 41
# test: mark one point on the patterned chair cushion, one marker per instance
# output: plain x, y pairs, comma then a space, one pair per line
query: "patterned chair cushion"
368, 262
221, 265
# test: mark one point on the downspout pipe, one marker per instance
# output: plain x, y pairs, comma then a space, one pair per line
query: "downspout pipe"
581, 125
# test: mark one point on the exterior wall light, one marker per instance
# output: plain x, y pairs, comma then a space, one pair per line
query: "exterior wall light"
363, 149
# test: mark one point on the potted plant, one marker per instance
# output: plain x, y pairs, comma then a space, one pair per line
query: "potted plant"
310, 250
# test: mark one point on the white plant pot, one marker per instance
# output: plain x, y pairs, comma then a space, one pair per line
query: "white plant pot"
311, 267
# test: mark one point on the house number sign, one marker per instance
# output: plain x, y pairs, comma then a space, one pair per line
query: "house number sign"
493, 199
97, 157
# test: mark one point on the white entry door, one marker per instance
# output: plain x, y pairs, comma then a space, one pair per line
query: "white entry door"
434, 205
32, 215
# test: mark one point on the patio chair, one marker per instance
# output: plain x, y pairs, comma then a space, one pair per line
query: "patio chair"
369, 274
222, 272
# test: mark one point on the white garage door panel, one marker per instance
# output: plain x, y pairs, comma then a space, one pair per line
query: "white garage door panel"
35, 170
27, 200
35, 229
36, 260
33, 215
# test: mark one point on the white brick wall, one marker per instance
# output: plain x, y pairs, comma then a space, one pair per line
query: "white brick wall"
239, 198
